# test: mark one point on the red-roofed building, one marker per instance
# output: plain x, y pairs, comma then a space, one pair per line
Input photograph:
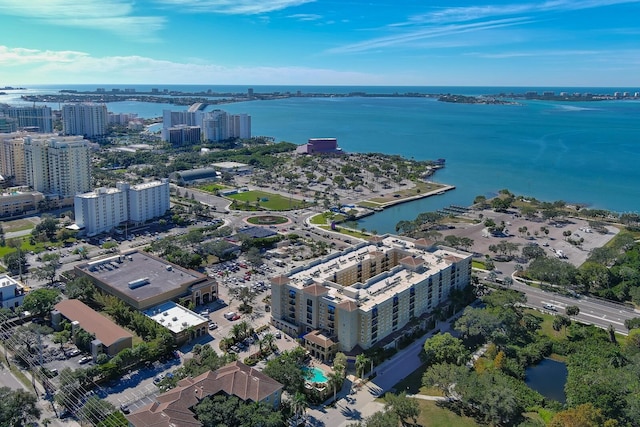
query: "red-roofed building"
110, 338
175, 407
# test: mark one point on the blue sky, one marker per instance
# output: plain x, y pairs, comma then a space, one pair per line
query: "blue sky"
333, 42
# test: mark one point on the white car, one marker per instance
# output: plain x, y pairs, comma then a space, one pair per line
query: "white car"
85, 359
74, 352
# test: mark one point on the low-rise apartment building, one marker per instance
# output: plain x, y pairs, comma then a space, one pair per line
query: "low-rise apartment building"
11, 293
352, 300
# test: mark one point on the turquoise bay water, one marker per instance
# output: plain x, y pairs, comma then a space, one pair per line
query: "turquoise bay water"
580, 152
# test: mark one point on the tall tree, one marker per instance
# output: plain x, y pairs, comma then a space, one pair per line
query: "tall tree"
444, 348
41, 301
405, 408
361, 363
17, 408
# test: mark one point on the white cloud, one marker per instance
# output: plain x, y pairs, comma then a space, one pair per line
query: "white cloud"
30, 66
538, 53
20, 56
112, 15
407, 37
462, 14
305, 17
235, 7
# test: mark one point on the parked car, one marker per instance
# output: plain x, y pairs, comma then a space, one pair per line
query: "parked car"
85, 359
73, 352
212, 326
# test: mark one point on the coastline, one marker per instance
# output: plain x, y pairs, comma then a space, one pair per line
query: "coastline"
437, 192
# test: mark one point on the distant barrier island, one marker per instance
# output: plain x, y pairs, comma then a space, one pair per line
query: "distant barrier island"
211, 97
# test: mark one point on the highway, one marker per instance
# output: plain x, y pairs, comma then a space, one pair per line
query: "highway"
592, 311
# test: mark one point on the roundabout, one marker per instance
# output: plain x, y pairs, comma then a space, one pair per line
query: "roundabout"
267, 220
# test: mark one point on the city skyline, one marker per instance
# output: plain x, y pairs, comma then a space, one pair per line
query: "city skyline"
307, 42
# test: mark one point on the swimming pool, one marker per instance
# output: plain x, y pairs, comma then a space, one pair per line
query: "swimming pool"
315, 375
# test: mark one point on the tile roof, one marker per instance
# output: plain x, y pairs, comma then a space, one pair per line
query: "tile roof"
316, 290
318, 338
412, 261
93, 322
280, 280
348, 305
173, 408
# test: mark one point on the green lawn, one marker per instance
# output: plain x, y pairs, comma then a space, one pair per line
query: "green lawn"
320, 219
212, 188
267, 201
432, 415
17, 225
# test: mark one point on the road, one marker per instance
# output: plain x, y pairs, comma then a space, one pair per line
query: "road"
592, 311
357, 406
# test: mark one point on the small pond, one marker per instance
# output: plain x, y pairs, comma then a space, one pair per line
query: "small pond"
548, 378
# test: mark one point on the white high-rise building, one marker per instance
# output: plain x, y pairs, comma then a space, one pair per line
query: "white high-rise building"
12, 164
148, 200
84, 119
216, 125
34, 119
105, 208
57, 165
100, 210
240, 125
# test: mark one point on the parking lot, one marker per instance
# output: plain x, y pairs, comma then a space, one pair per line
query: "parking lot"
523, 231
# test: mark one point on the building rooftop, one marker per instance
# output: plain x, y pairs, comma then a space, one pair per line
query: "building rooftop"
139, 275
174, 317
5, 280
256, 232
416, 262
146, 185
173, 408
98, 191
93, 322
229, 165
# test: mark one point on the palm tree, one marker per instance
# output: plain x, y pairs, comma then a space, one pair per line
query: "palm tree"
361, 362
237, 332
268, 340
299, 404
335, 381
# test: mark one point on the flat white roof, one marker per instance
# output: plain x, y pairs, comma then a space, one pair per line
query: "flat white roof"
6, 281
174, 317
383, 286
229, 165
147, 185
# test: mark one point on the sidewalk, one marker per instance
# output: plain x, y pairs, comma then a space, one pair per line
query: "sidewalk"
354, 407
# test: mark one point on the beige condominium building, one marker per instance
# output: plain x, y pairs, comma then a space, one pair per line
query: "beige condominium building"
352, 300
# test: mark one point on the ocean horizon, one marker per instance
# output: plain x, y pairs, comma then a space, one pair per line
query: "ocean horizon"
582, 152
